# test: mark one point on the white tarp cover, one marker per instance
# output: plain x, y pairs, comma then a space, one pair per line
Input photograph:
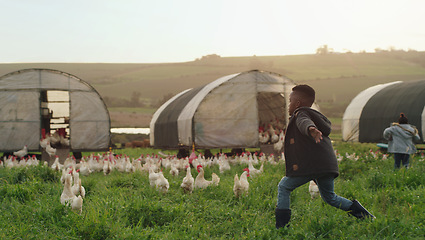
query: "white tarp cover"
351, 118
226, 112
19, 120
20, 110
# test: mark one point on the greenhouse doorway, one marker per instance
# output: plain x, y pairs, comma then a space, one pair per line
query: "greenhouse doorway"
55, 112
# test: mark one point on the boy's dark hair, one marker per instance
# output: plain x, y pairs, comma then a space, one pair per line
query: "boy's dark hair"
307, 93
402, 119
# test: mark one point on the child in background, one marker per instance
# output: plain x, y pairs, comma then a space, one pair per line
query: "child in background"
401, 137
309, 155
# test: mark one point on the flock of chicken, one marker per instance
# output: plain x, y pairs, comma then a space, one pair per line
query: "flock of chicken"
56, 139
73, 191
272, 135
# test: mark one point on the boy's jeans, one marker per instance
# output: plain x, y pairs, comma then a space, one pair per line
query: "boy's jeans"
326, 188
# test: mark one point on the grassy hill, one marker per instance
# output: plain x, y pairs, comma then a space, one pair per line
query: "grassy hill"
337, 78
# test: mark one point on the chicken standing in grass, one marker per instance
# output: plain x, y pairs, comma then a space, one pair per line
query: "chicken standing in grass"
106, 167
200, 181
153, 176
77, 188
77, 204
241, 185
253, 171
162, 183
313, 189
174, 171
67, 195
188, 181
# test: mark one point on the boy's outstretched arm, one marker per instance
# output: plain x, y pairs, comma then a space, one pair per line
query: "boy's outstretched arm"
315, 133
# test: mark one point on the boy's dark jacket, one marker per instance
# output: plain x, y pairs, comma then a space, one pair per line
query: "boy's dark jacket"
303, 156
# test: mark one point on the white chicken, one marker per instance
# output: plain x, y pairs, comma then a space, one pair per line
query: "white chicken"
85, 168
279, 144
65, 171
67, 195
274, 137
174, 171
50, 150
153, 176
313, 189
56, 164
77, 204
223, 164
21, 153
43, 142
129, 168
241, 185
188, 181
54, 139
263, 137
77, 188
162, 183
200, 181
106, 167
253, 171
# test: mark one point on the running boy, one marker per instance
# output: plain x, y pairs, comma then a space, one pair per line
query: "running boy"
310, 156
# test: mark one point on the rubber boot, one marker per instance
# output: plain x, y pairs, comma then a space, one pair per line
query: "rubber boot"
358, 211
282, 217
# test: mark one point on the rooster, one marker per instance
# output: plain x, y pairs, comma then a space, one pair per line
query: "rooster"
21, 153
313, 189
200, 181
241, 185
188, 181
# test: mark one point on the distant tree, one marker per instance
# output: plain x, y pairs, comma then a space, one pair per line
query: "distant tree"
378, 50
324, 49
210, 56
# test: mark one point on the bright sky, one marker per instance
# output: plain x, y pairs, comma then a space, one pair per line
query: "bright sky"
148, 31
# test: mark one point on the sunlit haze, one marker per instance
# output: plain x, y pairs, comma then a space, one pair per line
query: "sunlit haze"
139, 31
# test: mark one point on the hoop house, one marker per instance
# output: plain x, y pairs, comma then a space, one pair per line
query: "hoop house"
375, 108
37, 100
225, 113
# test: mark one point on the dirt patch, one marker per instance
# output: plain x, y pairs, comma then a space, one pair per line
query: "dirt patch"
124, 119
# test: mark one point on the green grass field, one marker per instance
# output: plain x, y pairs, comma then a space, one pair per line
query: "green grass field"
124, 206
